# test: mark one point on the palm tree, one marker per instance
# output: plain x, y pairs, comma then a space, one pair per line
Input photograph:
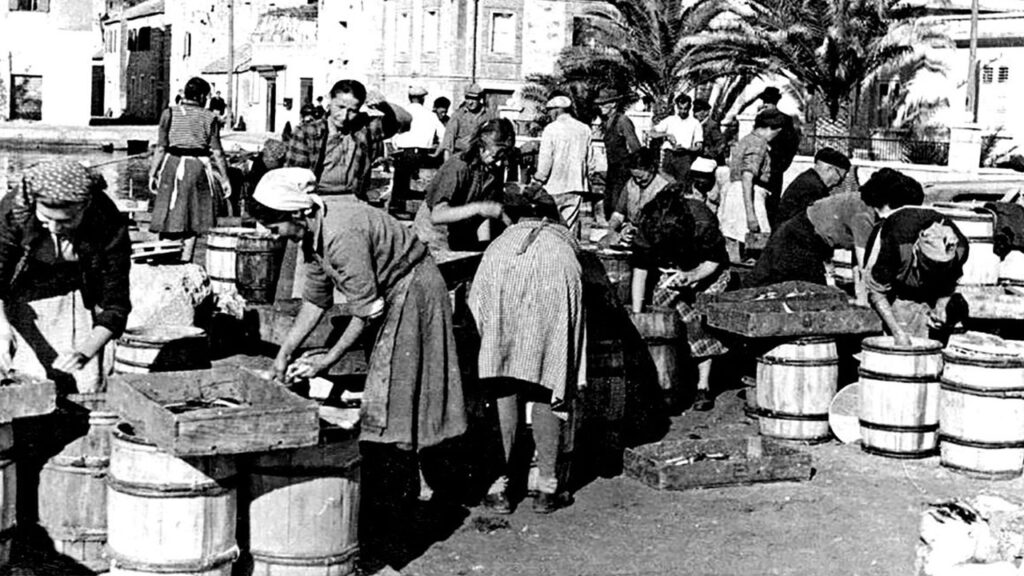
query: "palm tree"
639, 45
827, 48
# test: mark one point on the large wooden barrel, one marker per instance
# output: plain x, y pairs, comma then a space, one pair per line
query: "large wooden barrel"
303, 509
161, 349
982, 266
221, 245
166, 514
981, 414
899, 397
72, 494
660, 329
795, 384
258, 261
8, 492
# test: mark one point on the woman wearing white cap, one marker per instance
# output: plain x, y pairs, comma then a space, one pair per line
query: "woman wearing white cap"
413, 394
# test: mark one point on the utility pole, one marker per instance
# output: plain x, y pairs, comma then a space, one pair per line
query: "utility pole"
230, 112
476, 29
972, 67
122, 59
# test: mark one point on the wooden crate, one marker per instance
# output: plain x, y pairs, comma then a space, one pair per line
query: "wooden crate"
686, 464
792, 318
792, 290
268, 417
22, 396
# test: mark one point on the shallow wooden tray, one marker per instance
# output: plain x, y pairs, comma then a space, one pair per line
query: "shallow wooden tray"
746, 461
269, 416
792, 318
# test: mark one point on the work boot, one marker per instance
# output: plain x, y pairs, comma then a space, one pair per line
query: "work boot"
496, 500
546, 502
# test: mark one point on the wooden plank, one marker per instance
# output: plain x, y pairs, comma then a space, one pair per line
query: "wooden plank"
267, 417
793, 290
22, 396
687, 464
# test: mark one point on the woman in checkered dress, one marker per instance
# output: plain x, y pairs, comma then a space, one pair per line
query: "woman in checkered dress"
678, 252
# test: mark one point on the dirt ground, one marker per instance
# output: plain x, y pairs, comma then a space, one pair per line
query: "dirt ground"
857, 515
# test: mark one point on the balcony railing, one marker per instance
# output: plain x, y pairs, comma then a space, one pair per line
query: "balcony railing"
883, 148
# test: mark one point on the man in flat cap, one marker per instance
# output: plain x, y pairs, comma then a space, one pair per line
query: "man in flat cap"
564, 161
465, 121
620, 142
416, 146
829, 170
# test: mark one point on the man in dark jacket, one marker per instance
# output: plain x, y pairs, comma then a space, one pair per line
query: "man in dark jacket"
620, 142
829, 170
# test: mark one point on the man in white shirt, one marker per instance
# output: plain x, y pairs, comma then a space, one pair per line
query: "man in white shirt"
564, 161
415, 148
684, 139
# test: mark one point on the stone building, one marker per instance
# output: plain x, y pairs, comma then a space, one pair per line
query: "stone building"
46, 59
136, 63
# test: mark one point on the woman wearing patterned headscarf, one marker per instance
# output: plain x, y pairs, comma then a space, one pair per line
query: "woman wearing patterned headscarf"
915, 257
188, 169
64, 261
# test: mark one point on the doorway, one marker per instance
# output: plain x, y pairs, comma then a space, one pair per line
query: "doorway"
271, 104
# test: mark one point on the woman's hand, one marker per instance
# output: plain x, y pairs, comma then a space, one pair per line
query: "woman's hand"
488, 209
70, 363
752, 225
307, 366
225, 186
901, 338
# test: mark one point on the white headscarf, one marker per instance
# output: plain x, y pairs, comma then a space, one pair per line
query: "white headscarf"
288, 190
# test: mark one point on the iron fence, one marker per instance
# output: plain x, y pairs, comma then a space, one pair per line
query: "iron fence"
884, 148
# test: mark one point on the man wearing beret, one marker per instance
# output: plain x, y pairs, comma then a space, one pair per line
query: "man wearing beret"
829, 170
64, 261
464, 123
564, 161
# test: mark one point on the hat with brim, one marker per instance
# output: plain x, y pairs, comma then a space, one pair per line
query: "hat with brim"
607, 96
474, 91
559, 102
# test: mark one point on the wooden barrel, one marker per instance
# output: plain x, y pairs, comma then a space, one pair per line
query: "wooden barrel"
660, 329
619, 273
982, 266
795, 384
1011, 269
72, 494
161, 349
303, 509
899, 397
981, 414
166, 514
842, 266
258, 261
221, 245
8, 492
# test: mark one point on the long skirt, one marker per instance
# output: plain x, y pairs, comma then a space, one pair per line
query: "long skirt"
702, 343
527, 301
794, 252
732, 214
46, 328
185, 200
413, 395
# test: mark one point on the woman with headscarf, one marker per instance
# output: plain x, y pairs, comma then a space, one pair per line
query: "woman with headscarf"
413, 394
914, 258
680, 252
645, 183
799, 249
466, 191
188, 170
64, 261
526, 300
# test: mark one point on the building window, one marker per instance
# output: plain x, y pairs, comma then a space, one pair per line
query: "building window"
503, 33
26, 97
142, 40
986, 75
1004, 75
188, 44
431, 31
403, 33
132, 37
29, 5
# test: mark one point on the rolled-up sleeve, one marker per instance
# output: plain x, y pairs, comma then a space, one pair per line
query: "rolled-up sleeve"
447, 180
753, 158
350, 255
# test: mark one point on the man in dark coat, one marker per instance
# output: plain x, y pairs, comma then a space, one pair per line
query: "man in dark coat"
619, 142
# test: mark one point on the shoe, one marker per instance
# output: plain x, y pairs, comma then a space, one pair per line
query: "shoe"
546, 503
498, 503
703, 401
